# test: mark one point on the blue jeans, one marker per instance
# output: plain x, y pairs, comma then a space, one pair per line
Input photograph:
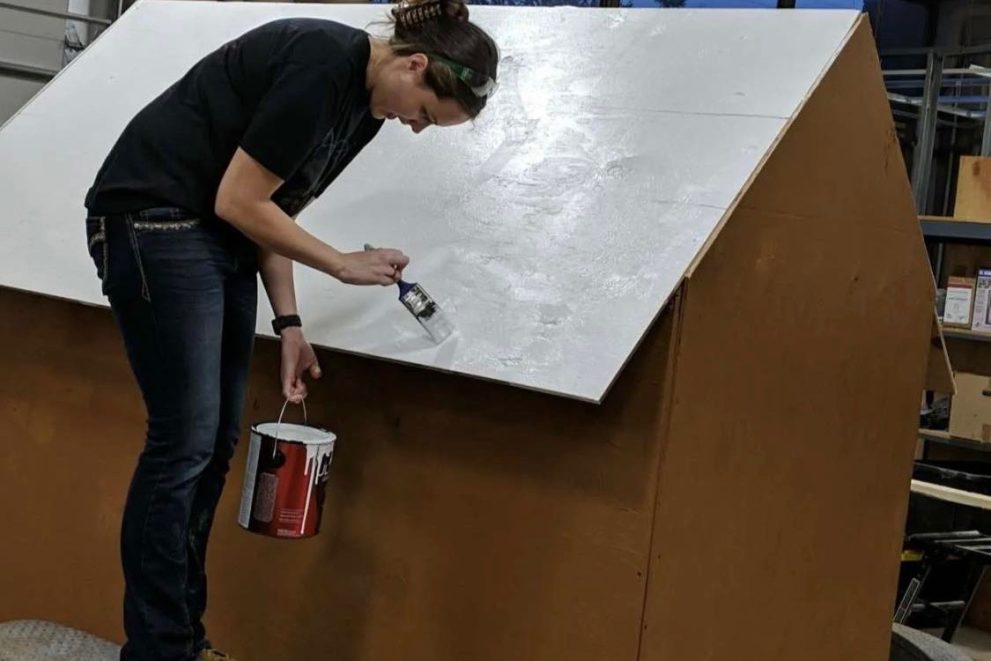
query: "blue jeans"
185, 304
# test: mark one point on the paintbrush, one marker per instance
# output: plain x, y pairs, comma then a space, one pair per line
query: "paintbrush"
424, 308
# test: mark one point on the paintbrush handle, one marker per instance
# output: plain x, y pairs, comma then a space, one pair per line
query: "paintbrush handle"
423, 308
403, 285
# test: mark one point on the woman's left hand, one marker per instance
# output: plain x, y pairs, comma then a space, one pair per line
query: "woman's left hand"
297, 358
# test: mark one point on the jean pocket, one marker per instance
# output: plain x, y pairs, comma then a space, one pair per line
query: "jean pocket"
96, 240
173, 255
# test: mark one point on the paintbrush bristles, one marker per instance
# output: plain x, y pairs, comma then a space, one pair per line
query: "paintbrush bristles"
423, 307
427, 312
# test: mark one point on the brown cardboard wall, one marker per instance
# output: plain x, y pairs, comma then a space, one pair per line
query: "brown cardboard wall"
970, 410
465, 520
803, 348
973, 197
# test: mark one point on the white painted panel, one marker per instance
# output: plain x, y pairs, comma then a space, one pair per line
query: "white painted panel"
748, 62
553, 230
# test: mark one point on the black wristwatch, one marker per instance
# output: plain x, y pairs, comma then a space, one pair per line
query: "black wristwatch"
285, 321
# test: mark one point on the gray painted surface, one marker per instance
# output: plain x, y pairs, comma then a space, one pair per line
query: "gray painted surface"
32, 40
14, 93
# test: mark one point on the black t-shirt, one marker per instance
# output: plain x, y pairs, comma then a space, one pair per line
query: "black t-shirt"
291, 93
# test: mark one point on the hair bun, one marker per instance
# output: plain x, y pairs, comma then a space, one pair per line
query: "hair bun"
413, 14
455, 9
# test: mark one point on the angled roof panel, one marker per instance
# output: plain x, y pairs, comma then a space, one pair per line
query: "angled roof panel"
553, 230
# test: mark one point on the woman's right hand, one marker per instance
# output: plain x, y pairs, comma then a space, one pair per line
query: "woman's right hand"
371, 267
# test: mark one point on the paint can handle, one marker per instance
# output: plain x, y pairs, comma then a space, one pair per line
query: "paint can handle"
275, 445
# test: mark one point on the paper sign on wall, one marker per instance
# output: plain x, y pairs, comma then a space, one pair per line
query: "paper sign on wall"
959, 302
982, 302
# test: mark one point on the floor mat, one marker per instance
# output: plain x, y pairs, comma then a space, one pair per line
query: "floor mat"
34, 640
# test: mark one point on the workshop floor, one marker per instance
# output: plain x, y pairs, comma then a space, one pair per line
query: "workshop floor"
975, 643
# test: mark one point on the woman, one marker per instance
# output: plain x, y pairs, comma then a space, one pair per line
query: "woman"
197, 196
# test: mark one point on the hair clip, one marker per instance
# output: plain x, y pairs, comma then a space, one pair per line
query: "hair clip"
410, 15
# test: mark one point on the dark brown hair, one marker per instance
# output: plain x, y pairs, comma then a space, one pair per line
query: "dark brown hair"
440, 29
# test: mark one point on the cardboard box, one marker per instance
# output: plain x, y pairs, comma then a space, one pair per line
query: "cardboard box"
959, 302
982, 302
970, 410
973, 199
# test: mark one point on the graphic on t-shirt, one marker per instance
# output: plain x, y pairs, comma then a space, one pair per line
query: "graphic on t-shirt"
305, 182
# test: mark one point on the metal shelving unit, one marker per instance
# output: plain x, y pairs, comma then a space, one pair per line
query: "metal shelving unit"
965, 334
944, 98
943, 229
950, 92
56, 14
944, 438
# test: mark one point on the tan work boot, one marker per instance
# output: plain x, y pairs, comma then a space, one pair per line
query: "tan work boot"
214, 655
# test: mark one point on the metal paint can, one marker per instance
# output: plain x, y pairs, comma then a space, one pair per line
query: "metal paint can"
285, 479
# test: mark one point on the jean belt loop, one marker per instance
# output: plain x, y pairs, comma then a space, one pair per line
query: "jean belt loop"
133, 236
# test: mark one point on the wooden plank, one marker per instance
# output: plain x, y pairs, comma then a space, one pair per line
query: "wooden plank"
939, 373
973, 198
798, 511
969, 448
951, 495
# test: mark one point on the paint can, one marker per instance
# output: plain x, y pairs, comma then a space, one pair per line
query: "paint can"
285, 479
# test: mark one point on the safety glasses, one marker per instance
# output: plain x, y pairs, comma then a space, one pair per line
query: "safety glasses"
480, 84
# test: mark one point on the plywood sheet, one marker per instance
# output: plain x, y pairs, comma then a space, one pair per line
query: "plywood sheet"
791, 500
553, 230
951, 495
464, 520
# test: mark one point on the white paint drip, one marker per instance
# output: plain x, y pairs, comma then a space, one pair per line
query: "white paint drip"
315, 455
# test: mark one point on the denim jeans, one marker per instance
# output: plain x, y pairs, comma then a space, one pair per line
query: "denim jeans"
185, 305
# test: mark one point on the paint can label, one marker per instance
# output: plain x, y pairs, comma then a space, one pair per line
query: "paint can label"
268, 488
250, 475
